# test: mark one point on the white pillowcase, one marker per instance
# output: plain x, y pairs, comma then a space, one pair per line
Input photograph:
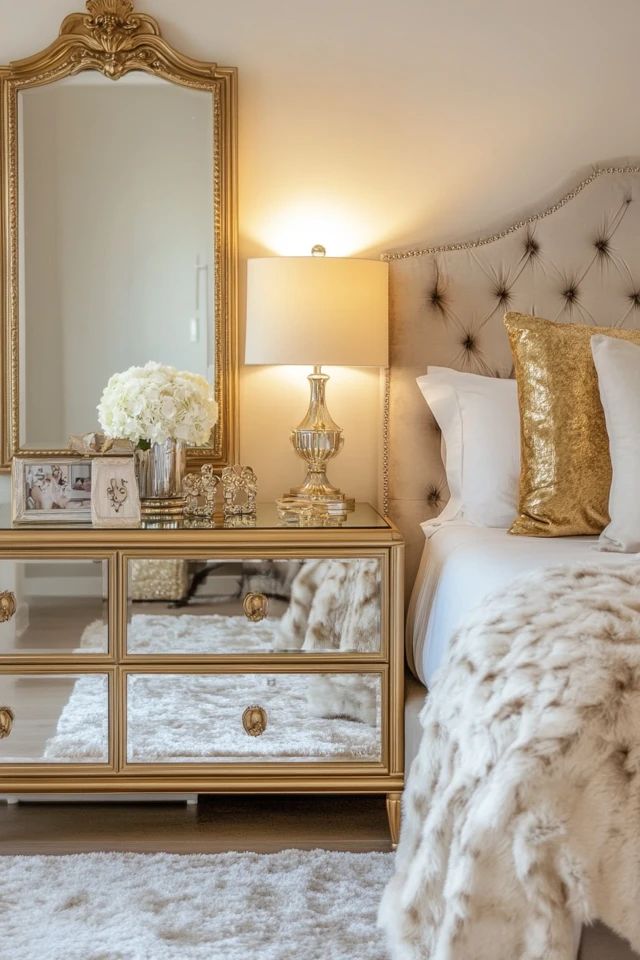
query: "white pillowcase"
618, 366
480, 423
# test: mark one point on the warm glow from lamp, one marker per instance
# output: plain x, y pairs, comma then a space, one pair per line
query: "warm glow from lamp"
313, 311
292, 230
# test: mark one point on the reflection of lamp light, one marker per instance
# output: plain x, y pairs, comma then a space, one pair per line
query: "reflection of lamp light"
317, 310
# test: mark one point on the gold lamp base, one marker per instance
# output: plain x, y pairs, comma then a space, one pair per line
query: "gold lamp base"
317, 439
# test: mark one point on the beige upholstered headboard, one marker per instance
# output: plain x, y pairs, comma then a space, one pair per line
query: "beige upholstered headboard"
576, 258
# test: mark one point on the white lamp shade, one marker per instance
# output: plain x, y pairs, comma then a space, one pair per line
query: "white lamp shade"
317, 310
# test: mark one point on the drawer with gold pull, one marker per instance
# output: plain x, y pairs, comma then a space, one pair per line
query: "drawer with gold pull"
330, 605
52, 607
55, 718
186, 718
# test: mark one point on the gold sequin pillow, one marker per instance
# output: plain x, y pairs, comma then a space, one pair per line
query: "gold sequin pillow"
565, 470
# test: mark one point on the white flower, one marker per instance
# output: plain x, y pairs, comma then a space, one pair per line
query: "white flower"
155, 403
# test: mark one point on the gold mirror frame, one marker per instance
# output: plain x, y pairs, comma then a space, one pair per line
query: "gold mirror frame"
114, 39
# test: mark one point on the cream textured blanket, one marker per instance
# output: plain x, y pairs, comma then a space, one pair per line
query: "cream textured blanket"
522, 812
335, 605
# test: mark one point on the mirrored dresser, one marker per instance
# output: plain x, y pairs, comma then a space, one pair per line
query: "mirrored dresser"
259, 658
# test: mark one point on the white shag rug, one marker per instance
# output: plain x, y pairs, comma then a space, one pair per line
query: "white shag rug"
316, 905
187, 633
190, 718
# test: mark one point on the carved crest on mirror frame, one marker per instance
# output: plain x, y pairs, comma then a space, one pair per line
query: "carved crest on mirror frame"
115, 38
112, 24
112, 37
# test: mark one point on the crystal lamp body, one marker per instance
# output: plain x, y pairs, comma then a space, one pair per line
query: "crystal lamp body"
317, 439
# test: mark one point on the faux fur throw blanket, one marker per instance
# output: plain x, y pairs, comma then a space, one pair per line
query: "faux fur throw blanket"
335, 605
522, 812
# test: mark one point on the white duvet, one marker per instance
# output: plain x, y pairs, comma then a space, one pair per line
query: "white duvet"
462, 564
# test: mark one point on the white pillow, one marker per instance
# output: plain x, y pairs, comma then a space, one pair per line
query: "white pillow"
618, 366
480, 423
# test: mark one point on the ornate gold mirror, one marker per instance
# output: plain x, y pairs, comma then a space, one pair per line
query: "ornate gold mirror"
119, 225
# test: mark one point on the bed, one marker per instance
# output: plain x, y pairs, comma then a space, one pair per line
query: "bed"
463, 564
574, 258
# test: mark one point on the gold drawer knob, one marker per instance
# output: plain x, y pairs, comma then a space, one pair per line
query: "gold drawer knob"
254, 721
7, 605
6, 722
255, 606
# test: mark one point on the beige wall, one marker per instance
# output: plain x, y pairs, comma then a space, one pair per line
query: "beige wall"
365, 125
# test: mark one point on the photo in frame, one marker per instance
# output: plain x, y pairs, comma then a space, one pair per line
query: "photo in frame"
56, 490
115, 499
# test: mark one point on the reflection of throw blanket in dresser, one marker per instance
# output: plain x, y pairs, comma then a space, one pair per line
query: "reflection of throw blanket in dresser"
522, 811
335, 606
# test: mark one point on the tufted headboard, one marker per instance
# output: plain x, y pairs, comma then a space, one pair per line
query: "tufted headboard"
575, 259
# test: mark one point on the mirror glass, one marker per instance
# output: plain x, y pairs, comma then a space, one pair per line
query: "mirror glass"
115, 241
58, 718
333, 717
61, 607
219, 606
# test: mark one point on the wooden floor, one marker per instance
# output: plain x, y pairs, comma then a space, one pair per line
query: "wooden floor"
215, 824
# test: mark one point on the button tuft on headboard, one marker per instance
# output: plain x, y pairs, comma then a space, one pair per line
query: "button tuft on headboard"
635, 298
531, 245
571, 293
502, 294
602, 246
437, 299
434, 496
469, 342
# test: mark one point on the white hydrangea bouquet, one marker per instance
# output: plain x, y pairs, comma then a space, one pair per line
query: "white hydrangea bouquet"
155, 403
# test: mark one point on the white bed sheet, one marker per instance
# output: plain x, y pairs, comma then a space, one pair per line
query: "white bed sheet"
461, 564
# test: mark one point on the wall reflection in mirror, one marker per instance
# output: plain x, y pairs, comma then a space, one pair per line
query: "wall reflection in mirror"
115, 241
58, 718
60, 607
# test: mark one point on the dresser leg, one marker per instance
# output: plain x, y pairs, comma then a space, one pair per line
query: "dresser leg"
393, 815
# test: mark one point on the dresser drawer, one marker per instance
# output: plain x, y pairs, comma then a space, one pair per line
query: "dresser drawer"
55, 718
51, 607
189, 718
262, 606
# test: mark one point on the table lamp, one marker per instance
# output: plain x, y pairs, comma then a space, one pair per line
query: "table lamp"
317, 310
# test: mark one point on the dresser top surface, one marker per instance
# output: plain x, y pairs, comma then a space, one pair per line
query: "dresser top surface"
363, 521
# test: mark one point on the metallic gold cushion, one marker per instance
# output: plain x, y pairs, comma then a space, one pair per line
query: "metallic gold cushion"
565, 473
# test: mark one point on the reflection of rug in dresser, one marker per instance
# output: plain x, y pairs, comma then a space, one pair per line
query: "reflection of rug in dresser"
196, 717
